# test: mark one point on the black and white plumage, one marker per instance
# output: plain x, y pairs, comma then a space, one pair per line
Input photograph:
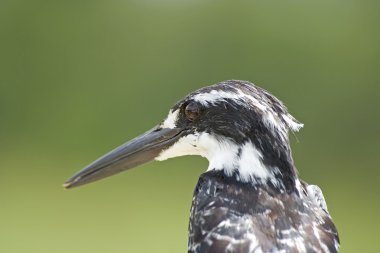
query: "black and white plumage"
250, 199
230, 216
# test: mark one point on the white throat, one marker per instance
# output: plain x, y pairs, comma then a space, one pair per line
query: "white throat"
223, 154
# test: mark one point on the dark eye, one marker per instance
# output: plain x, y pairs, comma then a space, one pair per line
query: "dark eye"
192, 111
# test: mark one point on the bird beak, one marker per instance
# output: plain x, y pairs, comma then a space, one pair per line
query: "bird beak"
138, 151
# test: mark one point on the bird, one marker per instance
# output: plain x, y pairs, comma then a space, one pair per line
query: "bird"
250, 199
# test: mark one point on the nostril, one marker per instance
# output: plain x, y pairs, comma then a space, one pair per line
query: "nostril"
158, 128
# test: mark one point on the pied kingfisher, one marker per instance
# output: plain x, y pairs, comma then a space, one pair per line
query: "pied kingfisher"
250, 199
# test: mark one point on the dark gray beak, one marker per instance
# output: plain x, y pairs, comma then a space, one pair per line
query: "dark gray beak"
138, 151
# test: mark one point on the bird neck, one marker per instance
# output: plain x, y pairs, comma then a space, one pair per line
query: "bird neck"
257, 163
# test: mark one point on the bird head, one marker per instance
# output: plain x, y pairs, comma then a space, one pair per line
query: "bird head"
240, 128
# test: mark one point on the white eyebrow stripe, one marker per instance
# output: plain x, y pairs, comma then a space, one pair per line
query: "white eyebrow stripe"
215, 96
219, 95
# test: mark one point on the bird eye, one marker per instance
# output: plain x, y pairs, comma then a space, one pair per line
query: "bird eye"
192, 111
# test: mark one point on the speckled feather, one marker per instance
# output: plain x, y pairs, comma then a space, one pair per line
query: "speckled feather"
230, 216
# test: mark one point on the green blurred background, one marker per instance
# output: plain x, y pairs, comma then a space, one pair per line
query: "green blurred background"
78, 78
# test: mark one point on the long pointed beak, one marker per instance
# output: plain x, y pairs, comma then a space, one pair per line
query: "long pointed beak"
131, 154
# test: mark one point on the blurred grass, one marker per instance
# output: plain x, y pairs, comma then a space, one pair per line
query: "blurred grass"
78, 78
